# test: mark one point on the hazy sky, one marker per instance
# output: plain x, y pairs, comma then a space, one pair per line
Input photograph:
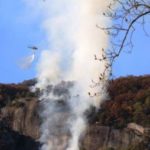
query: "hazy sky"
20, 28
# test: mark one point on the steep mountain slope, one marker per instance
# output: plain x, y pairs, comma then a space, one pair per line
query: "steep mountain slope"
108, 128
129, 102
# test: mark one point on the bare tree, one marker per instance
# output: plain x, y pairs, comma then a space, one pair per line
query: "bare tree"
125, 14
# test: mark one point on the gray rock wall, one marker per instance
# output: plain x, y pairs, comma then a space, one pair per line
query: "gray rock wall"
23, 117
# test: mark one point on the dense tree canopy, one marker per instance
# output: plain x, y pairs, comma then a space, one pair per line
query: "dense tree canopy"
129, 102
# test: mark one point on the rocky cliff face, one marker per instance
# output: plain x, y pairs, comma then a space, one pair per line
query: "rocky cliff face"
22, 116
20, 121
24, 123
103, 138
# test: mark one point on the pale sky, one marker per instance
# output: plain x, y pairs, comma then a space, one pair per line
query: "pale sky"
19, 28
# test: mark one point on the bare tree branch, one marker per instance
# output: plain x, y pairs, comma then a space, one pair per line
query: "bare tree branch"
128, 14
125, 17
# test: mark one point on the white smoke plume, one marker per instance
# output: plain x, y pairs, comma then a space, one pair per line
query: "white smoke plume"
73, 39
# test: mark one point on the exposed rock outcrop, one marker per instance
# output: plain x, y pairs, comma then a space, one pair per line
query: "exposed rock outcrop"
22, 116
20, 121
103, 138
24, 119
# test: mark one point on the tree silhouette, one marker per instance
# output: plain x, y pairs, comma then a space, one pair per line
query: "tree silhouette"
125, 14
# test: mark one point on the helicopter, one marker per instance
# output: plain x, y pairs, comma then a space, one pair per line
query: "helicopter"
33, 47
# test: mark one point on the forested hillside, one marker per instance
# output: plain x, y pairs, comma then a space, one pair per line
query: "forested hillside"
129, 102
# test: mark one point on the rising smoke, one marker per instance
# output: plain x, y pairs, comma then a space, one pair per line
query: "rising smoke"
73, 39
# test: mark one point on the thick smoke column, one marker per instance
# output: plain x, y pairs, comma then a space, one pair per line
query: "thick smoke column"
73, 39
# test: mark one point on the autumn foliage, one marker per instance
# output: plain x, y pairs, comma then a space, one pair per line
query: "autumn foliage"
11, 92
129, 102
